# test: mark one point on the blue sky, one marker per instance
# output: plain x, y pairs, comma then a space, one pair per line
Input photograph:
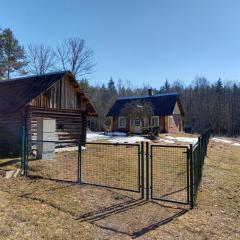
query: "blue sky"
144, 41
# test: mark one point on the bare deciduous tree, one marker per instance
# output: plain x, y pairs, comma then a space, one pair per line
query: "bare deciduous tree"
41, 59
74, 55
137, 109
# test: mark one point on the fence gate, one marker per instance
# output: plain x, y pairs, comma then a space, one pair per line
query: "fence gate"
169, 173
113, 165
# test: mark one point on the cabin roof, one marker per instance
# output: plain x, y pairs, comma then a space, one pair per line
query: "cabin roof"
163, 104
18, 92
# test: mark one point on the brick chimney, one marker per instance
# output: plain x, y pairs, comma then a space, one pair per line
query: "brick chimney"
150, 92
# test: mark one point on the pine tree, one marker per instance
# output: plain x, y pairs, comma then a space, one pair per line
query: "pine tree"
111, 86
12, 55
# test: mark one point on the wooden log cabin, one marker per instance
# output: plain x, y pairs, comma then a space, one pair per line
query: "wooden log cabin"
50, 96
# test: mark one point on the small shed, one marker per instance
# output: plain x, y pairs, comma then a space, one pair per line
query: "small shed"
23, 101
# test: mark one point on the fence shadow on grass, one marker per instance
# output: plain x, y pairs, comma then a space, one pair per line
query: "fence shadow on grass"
107, 218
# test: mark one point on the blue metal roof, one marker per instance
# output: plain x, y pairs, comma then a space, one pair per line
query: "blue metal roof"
163, 104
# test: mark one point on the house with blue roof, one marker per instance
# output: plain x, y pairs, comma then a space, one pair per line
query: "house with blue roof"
167, 114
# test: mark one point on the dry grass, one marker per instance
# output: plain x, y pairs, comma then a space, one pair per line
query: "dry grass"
43, 209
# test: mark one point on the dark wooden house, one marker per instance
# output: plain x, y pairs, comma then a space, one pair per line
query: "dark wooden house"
51, 96
167, 115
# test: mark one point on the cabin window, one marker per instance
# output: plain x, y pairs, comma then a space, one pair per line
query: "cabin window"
122, 122
155, 121
137, 122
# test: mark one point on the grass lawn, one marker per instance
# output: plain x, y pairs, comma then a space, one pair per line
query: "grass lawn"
44, 209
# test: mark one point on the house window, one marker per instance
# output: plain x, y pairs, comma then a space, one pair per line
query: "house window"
155, 121
122, 122
137, 122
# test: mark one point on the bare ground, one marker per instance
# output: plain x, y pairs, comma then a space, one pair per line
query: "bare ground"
43, 209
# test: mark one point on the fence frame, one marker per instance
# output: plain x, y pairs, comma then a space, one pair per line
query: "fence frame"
140, 166
152, 146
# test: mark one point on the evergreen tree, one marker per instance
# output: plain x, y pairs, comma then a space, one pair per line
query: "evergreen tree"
12, 55
111, 86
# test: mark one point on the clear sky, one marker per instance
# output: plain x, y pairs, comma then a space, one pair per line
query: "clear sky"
143, 41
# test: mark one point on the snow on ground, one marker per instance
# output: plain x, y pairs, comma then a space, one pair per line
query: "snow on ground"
114, 137
166, 141
68, 149
236, 144
115, 134
183, 139
130, 139
118, 137
96, 136
221, 140
225, 141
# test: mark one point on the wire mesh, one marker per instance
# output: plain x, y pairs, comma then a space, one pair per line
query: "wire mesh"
111, 165
198, 156
169, 173
53, 160
10, 155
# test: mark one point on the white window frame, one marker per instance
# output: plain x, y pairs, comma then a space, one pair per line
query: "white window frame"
153, 119
139, 121
122, 122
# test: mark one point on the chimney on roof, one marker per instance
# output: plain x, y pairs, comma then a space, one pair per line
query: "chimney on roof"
150, 92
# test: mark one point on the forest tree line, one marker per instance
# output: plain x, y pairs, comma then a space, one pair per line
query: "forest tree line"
206, 104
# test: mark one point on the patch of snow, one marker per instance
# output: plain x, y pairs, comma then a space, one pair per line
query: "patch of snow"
236, 144
187, 139
221, 140
115, 134
132, 139
66, 149
95, 136
168, 141
169, 137
183, 139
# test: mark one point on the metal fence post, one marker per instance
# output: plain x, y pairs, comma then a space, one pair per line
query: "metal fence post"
79, 173
142, 168
26, 156
147, 170
23, 147
191, 176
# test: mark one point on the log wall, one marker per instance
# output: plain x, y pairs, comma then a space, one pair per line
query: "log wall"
71, 125
10, 135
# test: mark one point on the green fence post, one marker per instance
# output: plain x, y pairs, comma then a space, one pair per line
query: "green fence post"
147, 171
191, 176
79, 173
142, 168
23, 150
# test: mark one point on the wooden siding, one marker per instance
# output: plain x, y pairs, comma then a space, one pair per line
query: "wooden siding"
64, 94
10, 134
175, 123
71, 125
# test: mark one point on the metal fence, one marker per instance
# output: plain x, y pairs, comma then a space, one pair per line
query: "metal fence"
197, 155
112, 165
168, 173
53, 160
